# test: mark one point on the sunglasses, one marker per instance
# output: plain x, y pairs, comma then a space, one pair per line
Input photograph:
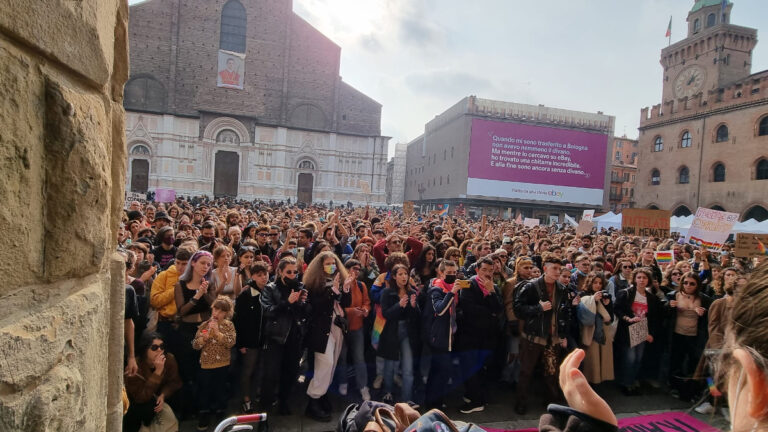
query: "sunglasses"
689, 283
291, 272
626, 267
262, 234
273, 235
155, 347
676, 274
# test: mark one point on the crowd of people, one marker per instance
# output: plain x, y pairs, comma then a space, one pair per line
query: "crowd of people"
245, 300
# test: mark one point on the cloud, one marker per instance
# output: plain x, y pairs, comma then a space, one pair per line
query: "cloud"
448, 84
371, 43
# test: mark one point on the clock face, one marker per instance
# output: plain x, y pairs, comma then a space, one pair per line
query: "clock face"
689, 82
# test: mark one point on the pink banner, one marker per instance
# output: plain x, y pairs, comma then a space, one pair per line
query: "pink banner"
165, 195
537, 155
671, 422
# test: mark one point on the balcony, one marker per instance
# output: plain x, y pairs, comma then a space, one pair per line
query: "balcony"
616, 179
616, 197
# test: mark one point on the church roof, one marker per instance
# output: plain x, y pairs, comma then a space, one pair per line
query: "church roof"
700, 4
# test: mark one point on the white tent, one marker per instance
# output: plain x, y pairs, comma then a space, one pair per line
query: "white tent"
608, 220
571, 220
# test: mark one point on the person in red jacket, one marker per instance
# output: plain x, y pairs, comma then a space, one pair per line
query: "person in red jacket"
396, 243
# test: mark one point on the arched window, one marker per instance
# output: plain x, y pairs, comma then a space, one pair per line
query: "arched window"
758, 213
682, 211
696, 25
684, 175
711, 18
233, 25
685, 142
140, 150
655, 177
722, 134
658, 144
144, 94
227, 136
718, 173
308, 116
762, 170
762, 128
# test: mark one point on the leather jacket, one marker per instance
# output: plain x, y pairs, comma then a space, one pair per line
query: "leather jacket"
537, 322
281, 317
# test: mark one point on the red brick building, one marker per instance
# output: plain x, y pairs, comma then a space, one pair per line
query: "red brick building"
624, 155
244, 97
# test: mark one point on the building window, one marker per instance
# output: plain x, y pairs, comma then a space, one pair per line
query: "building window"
719, 173
685, 142
684, 176
658, 144
655, 177
233, 25
696, 25
762, 128
711, 18
618, 155
441, 180
445, 154
448, 179
722, 134
144, 94
762, 170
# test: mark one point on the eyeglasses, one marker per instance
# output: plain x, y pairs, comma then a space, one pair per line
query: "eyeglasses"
273, 235
291, 272
262, 234
690, 283
676, 274
626, 267
155, 347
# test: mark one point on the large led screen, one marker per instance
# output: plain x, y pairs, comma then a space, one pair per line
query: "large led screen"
510, 160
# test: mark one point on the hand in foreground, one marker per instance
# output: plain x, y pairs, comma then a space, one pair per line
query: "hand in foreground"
160, 403
131, 368
579, 394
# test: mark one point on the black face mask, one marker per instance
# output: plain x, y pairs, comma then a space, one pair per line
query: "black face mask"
292, 284
450, 279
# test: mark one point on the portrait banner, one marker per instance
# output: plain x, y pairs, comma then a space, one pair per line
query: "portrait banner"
231, 70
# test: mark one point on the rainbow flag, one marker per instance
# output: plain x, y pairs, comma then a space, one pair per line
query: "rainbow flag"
664, 257
761, 247
444, 211
713, 388
378, 327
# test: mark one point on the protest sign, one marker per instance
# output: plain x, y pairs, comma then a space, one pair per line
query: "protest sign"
531, 222
585, 227
134, 196
645, 223
587, 215
638, 333
710, 228
664, 258
554, 219
165, 195
748, 245
408, 208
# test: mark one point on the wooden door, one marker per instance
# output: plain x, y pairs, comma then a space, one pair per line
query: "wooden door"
139, 175
226, 171
304, 192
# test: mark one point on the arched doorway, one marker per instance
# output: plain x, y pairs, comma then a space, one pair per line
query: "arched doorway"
139, 175
758, 213
682, 211
225, 174
304, 191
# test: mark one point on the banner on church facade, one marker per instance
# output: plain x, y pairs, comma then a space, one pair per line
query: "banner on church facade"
231, 70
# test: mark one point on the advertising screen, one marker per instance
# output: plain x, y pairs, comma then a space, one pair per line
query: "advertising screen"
510, 160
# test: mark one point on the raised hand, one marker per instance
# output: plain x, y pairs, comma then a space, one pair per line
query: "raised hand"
579, 394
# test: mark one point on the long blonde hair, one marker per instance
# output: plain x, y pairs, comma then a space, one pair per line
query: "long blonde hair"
315, 276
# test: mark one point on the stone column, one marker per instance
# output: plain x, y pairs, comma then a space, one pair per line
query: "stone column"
63, 65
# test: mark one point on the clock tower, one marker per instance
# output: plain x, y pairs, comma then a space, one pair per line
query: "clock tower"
714, 54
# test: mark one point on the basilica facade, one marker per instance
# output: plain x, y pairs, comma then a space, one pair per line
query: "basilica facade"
243, 98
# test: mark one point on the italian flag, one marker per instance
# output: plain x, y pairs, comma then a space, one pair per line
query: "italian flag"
669, 28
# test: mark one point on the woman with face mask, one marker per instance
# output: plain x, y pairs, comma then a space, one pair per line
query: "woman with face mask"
164, 249
328, 285
284, 311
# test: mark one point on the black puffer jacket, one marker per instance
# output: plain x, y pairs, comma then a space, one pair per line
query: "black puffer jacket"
536, 321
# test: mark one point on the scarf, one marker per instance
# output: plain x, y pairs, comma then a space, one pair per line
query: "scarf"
446, 289
486, 292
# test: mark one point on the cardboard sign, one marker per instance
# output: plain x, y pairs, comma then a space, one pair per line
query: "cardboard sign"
664, 422
585, 227
748, 245
638, 333
531, 222
554, 220
407, 208
645, 223
587, 215
165, 195
134, 196
710, 228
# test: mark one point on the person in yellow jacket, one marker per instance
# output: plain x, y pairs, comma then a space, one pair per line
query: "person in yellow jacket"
162, 299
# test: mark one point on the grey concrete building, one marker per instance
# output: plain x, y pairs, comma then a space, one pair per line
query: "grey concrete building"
541, 177
396, 175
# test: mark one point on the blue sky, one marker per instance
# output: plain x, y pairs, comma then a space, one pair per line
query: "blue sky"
419, 57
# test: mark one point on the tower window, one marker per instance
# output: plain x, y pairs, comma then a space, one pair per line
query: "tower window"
696, 25
762, 170
711, 18
762, 129
685, 142
233, 25
655, 177
722, 134
684, 176
719, 173
658, 144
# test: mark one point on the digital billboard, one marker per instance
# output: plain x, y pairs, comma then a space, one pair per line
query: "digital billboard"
510, 160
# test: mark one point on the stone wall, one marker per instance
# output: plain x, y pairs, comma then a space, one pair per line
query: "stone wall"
63, 64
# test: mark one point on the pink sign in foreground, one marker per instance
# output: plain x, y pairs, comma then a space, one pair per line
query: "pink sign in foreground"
537, 155
666, 422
